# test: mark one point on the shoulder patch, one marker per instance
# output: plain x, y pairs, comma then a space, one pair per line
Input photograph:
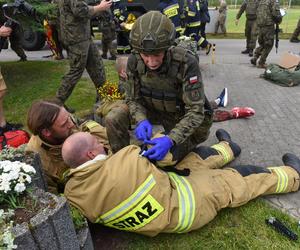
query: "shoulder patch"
193, 79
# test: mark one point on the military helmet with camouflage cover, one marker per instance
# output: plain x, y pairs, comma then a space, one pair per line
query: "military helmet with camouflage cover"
152, 32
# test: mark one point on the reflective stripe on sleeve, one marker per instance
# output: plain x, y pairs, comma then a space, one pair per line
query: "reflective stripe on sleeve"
129, 203
283, 179
223, 151
186, 201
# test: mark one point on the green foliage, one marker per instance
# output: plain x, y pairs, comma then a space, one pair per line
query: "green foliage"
77, 217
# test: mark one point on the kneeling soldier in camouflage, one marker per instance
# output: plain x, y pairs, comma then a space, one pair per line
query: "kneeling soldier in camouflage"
126, 191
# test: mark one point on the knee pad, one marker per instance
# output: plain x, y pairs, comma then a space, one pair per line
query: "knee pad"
245, 170
205, 152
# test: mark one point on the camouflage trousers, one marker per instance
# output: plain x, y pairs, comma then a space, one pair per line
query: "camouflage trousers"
84, 55
108, 35
16, 41
266, 42
296, 31
250, 33
117, 123
221, 22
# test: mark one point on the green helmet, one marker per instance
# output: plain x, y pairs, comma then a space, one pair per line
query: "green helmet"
152, 32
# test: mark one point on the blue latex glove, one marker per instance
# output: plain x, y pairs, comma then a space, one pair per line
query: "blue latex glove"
143, 131
161, 147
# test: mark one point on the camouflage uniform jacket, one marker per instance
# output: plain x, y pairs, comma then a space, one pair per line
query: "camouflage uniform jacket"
175, 89
268, 13
74, 17
51, 158
250, 7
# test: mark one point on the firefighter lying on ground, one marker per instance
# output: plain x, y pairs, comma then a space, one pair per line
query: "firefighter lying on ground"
128, 192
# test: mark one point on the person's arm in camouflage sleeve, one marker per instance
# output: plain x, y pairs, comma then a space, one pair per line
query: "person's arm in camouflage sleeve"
81, 9
241, 10
132, 92
193, 97
276, 11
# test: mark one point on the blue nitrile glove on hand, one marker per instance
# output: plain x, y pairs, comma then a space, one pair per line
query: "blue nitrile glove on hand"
161, 147
143, 131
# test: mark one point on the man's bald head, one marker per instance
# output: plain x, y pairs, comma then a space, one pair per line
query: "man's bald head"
80, 148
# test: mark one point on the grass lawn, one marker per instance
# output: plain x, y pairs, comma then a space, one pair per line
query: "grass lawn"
240, 228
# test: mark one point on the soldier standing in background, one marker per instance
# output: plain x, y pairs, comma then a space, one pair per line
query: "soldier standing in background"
204, 16
15, 37
120, 15
250, 7
174, 11
294, 38
268, 14
222, 17
75, 28
108, 28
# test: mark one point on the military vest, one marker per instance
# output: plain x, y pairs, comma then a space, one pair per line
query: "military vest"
251, 9
264, 13
162, 91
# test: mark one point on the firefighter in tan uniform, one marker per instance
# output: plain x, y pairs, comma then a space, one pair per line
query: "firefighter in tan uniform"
128, 192
51, 124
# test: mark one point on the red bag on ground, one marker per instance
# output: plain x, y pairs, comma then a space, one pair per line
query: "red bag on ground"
14, 138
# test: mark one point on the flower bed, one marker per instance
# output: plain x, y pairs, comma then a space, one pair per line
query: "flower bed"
31, 218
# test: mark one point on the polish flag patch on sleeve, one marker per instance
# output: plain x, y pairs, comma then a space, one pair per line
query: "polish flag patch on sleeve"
193, 79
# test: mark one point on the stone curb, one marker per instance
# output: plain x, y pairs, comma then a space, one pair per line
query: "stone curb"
52, 228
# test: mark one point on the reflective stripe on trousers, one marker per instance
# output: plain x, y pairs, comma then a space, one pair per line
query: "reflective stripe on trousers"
186, 201
283, 179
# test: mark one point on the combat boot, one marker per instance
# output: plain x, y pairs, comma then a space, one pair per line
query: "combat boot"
253, 61
250, 52
292, 161
104, 56
23, 59
223, 135
262, 66
113, 58
246, 51
294, 40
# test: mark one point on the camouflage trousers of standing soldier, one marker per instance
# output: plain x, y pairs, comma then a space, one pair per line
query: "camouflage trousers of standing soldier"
296, 32
117, 123
265, 41
108, 35
251, 33
83, 55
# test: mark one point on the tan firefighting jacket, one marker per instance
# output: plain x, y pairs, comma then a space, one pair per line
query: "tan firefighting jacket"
127, 192
51, 158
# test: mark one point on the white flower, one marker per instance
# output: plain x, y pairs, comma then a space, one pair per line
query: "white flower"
20, 187
28, 168
8, 238
5, 186
24, 178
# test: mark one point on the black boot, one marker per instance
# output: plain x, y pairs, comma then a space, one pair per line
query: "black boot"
292, 161
223, 135
250, 52
246, 51
253, 61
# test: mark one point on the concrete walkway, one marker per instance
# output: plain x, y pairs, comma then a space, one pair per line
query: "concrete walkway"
274, 130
